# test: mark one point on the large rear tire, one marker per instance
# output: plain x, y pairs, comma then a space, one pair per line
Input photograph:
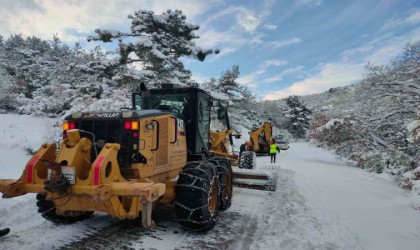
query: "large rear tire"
197, 196
47, 209
225, 174
248, 160
242, 149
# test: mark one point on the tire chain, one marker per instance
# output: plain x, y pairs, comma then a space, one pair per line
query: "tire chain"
248, 160
224, 165
192, 210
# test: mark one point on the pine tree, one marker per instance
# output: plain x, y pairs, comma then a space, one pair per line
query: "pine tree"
156, 43
228, 83
242, 100
298, 117
211, 85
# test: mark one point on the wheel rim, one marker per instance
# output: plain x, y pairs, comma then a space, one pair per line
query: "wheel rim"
212, 198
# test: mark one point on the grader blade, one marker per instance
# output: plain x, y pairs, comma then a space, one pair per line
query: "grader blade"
255, 181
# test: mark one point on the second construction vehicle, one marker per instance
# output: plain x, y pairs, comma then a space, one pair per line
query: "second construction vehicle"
258, 144
221, 141
260, 139
127, 162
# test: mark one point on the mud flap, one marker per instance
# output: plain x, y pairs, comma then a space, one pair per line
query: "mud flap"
146, 215
258, 181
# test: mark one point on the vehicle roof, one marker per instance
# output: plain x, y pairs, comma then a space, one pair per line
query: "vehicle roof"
117, 115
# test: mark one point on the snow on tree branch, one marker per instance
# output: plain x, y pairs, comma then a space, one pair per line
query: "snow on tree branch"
157, 41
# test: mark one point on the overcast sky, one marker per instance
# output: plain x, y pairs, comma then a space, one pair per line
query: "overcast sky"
282, 47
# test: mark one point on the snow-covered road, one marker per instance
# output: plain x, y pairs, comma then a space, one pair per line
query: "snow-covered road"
363, 209
319, 204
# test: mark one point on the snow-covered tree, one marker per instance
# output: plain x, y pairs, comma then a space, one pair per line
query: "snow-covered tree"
383, 107
242, 100
390, 96
228, 86
298, 116
414, 128
210, 85
45, 77
228, 83
155, 43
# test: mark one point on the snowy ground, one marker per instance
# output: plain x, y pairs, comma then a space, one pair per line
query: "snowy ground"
364, 209
319, 204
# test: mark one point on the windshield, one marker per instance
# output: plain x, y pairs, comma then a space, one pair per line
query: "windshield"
176, 102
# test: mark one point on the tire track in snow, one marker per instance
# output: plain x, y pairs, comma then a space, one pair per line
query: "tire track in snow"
256, 220
288, 221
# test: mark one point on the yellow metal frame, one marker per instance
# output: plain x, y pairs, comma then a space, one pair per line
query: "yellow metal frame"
254, 135
99, 185
220, 144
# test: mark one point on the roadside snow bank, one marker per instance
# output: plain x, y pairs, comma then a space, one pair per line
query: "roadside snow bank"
19, 135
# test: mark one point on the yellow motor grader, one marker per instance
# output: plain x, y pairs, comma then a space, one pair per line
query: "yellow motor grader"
127, 162
219, 145
258, 144
130, 161
260, 139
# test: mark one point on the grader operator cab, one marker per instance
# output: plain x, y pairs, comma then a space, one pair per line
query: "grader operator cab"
130, 161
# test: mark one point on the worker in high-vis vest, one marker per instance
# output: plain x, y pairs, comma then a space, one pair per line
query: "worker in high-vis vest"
273, 150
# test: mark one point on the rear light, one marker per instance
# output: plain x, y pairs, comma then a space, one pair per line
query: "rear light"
69, 125
131, 125
135, 125
127, 125
66, 126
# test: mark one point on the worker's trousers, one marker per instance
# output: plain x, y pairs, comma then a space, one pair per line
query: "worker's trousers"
273, 157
